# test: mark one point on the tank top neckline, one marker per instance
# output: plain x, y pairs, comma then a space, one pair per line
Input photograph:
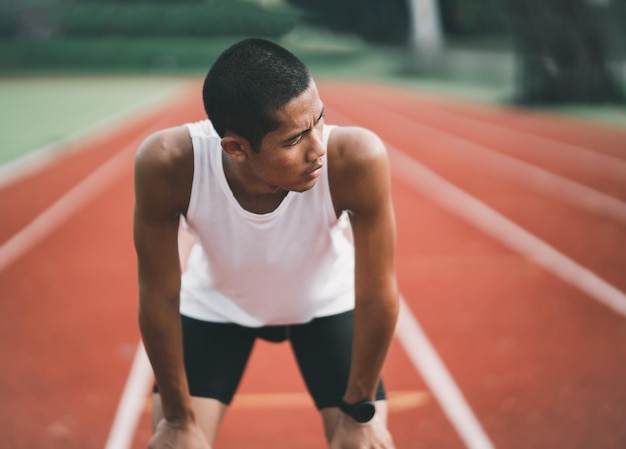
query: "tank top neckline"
219, 167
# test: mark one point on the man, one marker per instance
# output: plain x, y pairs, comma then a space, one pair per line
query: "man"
294, 240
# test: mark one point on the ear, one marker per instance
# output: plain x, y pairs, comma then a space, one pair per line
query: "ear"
235, 147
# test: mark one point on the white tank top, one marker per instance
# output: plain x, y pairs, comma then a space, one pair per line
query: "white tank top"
284, 267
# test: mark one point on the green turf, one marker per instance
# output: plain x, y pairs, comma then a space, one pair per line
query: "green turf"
40, 110
37, 111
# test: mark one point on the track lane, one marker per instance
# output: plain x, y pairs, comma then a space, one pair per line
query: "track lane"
60, 176
64, 420
66, 366
506, 342
501, 323
586, 238
75, 163
255, 419
587, 164
519, 342
560, 129
62, 386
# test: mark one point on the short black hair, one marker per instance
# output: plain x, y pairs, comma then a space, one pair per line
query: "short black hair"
248, 83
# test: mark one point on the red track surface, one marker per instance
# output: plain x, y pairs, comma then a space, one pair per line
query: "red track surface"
541, 364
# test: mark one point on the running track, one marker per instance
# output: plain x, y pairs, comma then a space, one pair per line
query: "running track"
511, 259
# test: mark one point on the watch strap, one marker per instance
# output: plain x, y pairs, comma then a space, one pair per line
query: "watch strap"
362, 411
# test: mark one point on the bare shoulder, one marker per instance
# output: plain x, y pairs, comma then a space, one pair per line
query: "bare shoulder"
354, 145
358, 168
165, 149
164, 169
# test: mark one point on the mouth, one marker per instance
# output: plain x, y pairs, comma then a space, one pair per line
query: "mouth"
315, 172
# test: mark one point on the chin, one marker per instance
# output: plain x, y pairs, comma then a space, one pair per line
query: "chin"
302, 189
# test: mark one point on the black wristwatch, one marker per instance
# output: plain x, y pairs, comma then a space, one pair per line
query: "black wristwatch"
362, 411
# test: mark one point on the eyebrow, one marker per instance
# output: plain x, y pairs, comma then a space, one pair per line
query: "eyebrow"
296, 135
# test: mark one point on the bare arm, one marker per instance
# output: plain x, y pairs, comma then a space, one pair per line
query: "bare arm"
163, 174
360, 183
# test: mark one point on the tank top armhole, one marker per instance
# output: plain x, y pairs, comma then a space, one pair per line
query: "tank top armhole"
330, 207
193, 198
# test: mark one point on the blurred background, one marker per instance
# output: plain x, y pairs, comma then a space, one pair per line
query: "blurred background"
541, 364
532, 52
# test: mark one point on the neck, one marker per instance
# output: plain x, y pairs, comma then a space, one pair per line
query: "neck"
249, 192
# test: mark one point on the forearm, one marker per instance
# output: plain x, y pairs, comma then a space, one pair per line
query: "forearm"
159, 322
374, 325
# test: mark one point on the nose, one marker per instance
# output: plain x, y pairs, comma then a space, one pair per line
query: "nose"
316, 149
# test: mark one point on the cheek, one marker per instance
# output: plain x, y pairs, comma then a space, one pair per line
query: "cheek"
288, 164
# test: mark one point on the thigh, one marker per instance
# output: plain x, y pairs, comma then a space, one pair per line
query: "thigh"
323, 350
216, 355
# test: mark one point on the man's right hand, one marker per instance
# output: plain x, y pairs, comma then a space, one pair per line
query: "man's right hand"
352, 435
169, 435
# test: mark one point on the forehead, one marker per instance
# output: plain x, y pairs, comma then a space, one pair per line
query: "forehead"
300, 113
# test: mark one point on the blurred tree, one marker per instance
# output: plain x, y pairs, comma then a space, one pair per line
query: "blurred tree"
563, 54
376, 21
8, 19
471, 17
145, 2
30, 18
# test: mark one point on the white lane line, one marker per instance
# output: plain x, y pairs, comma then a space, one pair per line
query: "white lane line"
410, 334
66, 206
78, 197
70, 203
523, 173
38, 159
141, 376
417, 346
435, 374
42, 226
592, 162
504, 230
132, 403
426, 360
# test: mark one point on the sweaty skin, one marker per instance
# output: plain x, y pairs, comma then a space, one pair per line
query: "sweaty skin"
289, 160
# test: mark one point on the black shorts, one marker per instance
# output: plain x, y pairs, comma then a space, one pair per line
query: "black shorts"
216, 355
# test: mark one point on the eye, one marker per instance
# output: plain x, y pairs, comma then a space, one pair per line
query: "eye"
296, 141
321, 117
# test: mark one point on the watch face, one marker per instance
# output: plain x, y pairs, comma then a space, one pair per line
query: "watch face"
364, 411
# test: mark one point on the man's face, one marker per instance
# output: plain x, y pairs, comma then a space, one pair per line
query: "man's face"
291, 157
